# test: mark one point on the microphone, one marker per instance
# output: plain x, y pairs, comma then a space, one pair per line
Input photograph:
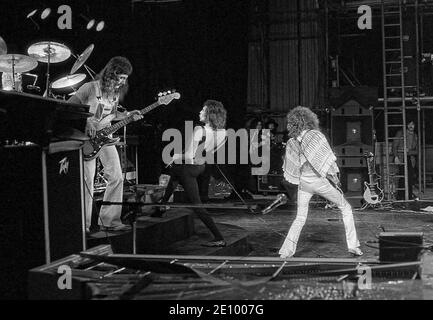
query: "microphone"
281, 199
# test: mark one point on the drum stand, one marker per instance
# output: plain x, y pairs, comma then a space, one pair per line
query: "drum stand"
13, 74
48, 86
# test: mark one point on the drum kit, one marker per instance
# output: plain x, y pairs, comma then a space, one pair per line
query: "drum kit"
14, 66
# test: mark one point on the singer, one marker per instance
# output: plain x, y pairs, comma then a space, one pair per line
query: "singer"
311, 164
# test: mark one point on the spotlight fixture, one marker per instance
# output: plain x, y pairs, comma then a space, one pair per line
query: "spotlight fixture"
32, 13
90, 24
45, 13
100, 26
30, 16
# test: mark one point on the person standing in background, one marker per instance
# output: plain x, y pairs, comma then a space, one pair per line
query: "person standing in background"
412, 154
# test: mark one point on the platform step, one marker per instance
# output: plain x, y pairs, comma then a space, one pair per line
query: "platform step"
153, 234
235, 237
176, 233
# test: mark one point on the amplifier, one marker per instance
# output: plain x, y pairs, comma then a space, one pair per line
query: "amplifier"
41, 211
351, 150
400, 246
351, 162
271, 183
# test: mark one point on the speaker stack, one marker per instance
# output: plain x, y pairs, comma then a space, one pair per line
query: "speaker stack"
352, 125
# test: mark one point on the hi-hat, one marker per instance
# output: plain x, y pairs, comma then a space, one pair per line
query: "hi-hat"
68, 81
82, 58
17, 62
3, 47
57, 52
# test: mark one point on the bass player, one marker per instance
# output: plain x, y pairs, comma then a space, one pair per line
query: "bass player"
103, 96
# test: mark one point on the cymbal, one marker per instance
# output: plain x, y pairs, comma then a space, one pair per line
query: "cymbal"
56, 51
68, 81
82, 58
3, 47
21, 63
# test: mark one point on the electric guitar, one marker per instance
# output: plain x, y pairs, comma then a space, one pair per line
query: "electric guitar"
372, 194
92, 147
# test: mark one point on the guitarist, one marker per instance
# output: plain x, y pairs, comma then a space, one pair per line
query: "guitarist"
103, 96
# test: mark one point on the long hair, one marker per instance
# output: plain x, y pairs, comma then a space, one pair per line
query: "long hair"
215, 114
108, 76
300, 119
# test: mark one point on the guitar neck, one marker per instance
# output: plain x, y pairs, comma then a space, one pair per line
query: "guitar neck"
371, 171
127, 120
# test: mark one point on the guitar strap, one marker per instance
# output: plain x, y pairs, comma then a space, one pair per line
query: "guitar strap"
100, 108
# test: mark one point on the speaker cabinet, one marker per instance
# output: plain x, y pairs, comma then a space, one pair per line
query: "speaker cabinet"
352, 126
270, 183
352, 182
400, 246
42, 212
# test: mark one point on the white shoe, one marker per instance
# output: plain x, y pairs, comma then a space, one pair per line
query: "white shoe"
356, 252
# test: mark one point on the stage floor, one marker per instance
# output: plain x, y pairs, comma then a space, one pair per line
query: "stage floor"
321, 268
323, 234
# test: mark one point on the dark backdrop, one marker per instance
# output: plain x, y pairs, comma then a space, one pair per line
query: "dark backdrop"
198, 47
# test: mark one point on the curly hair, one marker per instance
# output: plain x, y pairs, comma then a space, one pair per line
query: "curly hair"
300, 119
215, 114
108, 75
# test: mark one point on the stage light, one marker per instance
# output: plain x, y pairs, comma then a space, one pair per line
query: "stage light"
100, 26
90, 24
31, 14
45, 13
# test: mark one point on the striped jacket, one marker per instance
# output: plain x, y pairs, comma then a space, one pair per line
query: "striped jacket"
313, 147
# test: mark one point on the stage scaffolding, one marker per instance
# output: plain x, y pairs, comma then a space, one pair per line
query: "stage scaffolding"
402, 45
285, 39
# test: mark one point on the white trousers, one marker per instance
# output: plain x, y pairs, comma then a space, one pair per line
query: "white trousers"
309, 185
109, 216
